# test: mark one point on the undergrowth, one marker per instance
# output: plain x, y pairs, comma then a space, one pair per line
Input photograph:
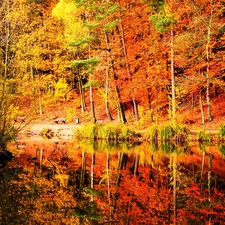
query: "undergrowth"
108, 131
170, 131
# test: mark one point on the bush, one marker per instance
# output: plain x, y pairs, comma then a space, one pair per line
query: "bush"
221, 133
171, 131
108, 131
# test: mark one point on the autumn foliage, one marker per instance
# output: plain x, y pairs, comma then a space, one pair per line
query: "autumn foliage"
103, 58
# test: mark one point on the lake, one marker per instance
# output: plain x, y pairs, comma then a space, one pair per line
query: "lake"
55, 181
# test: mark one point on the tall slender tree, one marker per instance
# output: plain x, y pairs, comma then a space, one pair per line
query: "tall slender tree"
164, 22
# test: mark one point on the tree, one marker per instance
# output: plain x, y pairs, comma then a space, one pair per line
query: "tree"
84, 62
200, 66
74, 36
7, 98
164, 22
41, 57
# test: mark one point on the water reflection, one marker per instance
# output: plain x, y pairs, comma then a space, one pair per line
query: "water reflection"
86, 182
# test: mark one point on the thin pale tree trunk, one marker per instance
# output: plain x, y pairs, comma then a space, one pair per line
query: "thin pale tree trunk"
201, 107
107, 81
90, 77
92, 174
207, 60
173, 105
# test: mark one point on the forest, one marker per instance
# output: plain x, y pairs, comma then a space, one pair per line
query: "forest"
141, 63
125, 60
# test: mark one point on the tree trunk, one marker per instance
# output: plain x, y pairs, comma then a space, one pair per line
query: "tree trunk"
33, 88
136, 163
127, 69
107, 81
5, 63
201, 107
40, 99
6, 55
109, 116
207, 60
173, 105
92, 104
150, 104
82, 94
192, 101
90, 78
209, 176
91, 96
121, 114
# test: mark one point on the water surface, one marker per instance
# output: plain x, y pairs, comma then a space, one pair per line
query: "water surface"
84, 182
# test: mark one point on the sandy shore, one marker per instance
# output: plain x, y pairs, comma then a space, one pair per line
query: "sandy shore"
59, 129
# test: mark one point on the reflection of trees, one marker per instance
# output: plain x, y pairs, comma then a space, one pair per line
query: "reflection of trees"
29, 199
165, 185
140, 185
10, 211
82, 174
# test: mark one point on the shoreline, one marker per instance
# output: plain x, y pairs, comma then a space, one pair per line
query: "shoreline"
67, 131
36, 129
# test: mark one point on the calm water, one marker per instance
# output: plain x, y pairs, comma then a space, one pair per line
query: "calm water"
84, 182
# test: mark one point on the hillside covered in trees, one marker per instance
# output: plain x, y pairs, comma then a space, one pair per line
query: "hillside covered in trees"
125, 60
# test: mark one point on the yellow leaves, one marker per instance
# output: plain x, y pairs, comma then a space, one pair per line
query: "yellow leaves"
70, 15
61, 88
63, 179
63, 8
167, 10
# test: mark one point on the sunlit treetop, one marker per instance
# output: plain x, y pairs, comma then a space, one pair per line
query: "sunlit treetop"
68, 12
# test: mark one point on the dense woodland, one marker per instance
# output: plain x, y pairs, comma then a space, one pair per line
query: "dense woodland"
151, 56
128, 60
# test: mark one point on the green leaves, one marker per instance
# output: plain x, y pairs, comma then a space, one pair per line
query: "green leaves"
84, 40
164, 17
89, 211
113, 8
157, 5
162, 22
108, 27
85, 63
92, 83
